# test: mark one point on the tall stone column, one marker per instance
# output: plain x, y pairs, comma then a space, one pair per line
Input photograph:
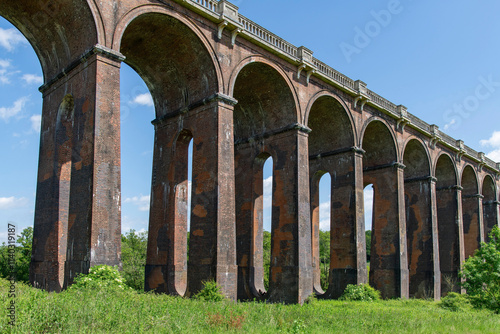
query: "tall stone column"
347, 246
212, 248
94, 225
421, 223
491, 217
389, 263
77, 214
291, 273
450, 232
472, 222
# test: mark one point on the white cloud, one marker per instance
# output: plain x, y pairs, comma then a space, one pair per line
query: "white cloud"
267, 192
494, 142
36, 123
10, 38
7, 112
144, 100
140, 201
447, 126
4, 75
32, 79
7, 203
324, 216
368, 197
494, 155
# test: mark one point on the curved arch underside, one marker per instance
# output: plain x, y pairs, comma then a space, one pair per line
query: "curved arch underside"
379, 145
265, 101
171, 60
330, 125
416, 160
50, 26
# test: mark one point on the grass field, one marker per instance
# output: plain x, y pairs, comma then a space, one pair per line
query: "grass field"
114, 311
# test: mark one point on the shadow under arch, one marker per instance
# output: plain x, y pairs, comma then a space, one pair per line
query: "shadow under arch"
182, 77
382, 169
266, 121
490, 206
421, 225
332, 150
448, 196
57, 38
176, 66
472, 211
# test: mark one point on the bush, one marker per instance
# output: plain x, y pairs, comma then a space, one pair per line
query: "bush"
134, 245
481, 273
22, 256
99, 277
455, 302
211, 292
361, 292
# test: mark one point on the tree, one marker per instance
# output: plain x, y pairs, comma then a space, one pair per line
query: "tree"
266, 253
324, 258
22, 256
481, 273
134, 246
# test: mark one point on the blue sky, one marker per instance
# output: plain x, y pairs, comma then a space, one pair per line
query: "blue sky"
441, 60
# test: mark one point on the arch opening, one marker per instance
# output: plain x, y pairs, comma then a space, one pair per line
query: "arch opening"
388, 263
419, 222
490, 206
472, 211
265, 121
448, 224
333, 164
175, 64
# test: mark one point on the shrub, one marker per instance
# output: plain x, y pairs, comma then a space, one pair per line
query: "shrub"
482, 274
134, 245
361, 292
22, 256
211, 292
455, 302
101, 276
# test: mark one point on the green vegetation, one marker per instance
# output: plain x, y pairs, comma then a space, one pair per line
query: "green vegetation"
134, 246
101, 276
361, 292
482, 274
109, 310
211, 292
22, 256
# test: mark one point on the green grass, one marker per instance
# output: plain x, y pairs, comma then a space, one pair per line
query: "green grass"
112, 311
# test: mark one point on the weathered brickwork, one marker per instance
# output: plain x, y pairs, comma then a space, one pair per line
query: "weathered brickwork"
241, 95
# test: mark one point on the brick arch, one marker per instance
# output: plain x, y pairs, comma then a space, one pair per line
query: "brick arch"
469, 180
266, 102
490, 205
178, 78
445, 171
471, 208
279, 71
331, 124
341, 102
56, 37
332, 150
447, 204
416, 158
381, 168
389, 147
418, 189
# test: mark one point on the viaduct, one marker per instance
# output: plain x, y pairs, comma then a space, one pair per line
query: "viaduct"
242, 95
